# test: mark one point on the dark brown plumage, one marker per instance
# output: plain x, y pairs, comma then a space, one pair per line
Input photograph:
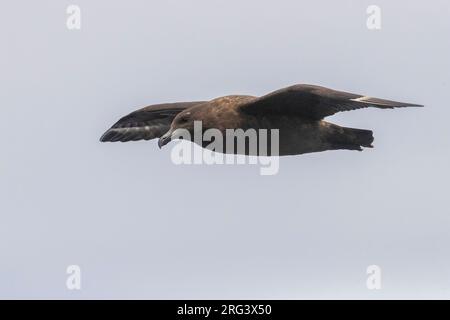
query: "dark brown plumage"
297, 111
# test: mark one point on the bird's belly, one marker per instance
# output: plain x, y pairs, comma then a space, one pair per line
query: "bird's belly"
298, 136
269, 135
295, 136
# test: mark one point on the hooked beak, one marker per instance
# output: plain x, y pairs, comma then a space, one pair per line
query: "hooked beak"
165, 139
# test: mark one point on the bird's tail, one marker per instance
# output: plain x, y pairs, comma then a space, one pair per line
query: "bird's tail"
352, 139
362, 137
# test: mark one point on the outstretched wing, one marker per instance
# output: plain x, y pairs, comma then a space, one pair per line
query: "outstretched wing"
315, 102
146, 123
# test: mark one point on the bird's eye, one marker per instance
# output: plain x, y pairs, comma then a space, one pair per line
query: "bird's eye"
183, 119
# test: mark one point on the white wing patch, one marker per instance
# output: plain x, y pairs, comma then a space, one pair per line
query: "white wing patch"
362, 99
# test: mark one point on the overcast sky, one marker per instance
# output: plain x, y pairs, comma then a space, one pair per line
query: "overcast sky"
141, 227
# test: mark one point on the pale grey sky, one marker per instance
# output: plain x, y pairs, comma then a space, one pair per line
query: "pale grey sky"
141, 227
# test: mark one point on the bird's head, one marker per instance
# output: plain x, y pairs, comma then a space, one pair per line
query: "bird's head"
182, 127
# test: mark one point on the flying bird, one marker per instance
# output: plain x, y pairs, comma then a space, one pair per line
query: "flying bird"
297, 111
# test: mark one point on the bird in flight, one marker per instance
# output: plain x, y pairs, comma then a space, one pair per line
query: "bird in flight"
297, 111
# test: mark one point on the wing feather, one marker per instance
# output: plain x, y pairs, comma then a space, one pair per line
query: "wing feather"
316, 102
146, 123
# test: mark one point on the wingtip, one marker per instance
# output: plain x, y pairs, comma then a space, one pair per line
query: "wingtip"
414, 105
106, 137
